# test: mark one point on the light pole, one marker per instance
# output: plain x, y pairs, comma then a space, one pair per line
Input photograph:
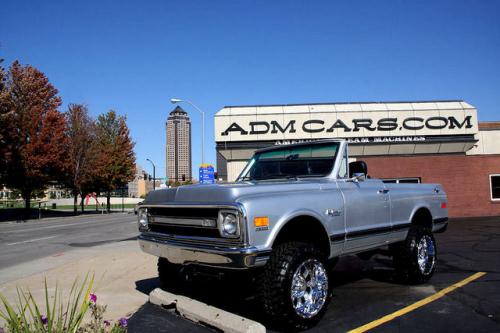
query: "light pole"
177, 100
154, 173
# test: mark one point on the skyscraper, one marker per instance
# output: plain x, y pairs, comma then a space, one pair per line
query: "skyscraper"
178, 145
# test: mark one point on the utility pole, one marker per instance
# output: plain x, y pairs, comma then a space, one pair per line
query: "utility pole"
154, 173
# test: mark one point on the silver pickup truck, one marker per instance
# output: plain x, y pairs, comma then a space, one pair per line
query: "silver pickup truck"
291, 213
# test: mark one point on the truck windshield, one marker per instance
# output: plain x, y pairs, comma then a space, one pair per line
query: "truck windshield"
315, 160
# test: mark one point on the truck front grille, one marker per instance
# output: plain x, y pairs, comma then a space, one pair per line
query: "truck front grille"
184, 212
184, 230
189, 225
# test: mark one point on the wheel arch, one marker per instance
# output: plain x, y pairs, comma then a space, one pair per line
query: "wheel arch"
422, 216
303, 227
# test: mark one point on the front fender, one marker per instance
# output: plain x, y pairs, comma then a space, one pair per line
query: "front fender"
282, 208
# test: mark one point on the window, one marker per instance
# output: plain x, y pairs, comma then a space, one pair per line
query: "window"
314, 160
343, 166
495, 187
408, 180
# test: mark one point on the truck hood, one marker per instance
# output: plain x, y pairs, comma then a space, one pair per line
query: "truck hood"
228, 192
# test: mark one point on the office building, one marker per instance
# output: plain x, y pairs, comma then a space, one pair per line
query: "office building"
178, 146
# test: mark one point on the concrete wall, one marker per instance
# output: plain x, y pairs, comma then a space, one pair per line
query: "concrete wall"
489, 143
234, 169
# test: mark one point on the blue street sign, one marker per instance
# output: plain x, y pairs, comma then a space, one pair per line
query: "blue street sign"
206, 174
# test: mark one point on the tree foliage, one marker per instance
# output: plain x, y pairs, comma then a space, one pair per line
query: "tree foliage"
3, 115
34, 131
81, 138
39, 144
115, 158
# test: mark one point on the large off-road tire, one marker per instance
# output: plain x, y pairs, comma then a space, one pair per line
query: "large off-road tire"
415, 258
294, 286
168, 274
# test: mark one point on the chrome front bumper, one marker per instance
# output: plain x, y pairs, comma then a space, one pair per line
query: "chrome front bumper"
186, 254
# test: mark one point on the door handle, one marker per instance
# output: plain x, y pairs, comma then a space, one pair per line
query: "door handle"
384, 191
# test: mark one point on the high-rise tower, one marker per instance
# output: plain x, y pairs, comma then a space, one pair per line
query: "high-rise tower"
178, 146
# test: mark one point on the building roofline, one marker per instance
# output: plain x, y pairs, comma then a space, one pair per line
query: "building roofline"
178, 110
328, 103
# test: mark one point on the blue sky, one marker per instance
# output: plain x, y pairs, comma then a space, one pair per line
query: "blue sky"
133, 56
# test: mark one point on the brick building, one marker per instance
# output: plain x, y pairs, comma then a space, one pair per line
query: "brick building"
426, 141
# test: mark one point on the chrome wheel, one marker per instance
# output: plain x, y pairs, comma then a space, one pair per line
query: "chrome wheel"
309, 288
426, 253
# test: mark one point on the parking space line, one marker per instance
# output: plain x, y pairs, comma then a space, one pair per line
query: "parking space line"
417, 305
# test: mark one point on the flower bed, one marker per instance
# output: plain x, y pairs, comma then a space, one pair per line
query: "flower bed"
59, 315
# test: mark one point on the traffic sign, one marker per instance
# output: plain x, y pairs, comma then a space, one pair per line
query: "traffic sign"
206, 174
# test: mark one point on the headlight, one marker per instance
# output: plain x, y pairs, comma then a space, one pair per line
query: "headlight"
229, 224
142, 216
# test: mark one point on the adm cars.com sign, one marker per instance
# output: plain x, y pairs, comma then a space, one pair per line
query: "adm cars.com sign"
354, 125
345, 120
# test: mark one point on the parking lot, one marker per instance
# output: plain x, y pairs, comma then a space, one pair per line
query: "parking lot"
365, 293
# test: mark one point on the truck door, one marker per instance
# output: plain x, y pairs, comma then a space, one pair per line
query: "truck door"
366, 213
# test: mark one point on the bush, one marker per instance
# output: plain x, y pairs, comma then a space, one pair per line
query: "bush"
58, 316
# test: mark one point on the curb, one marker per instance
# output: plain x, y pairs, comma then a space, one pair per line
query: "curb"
203, 313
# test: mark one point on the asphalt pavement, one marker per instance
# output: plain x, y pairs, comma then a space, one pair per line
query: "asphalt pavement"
365, 291
27, 241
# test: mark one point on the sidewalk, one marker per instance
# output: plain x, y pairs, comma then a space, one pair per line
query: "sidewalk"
117, 268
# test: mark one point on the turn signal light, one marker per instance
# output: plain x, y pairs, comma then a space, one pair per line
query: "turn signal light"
262, 221
443, 205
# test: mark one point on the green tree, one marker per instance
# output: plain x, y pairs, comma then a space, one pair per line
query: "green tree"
115, 158
34, 131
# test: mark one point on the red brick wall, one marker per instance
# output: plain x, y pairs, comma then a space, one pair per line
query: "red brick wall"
464, 178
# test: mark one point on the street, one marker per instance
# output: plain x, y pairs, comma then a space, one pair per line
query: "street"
23, 242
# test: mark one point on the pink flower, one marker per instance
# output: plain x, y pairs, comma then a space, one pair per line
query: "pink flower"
93, 298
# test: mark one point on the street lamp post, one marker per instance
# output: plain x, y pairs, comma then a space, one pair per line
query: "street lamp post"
177, 100
154, 173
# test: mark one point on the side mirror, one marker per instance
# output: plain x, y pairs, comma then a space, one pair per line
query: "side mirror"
356, 168
356, 177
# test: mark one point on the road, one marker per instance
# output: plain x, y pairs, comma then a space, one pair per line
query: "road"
24, 242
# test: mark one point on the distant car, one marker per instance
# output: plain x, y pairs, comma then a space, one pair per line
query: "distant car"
292, 212
136, 207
